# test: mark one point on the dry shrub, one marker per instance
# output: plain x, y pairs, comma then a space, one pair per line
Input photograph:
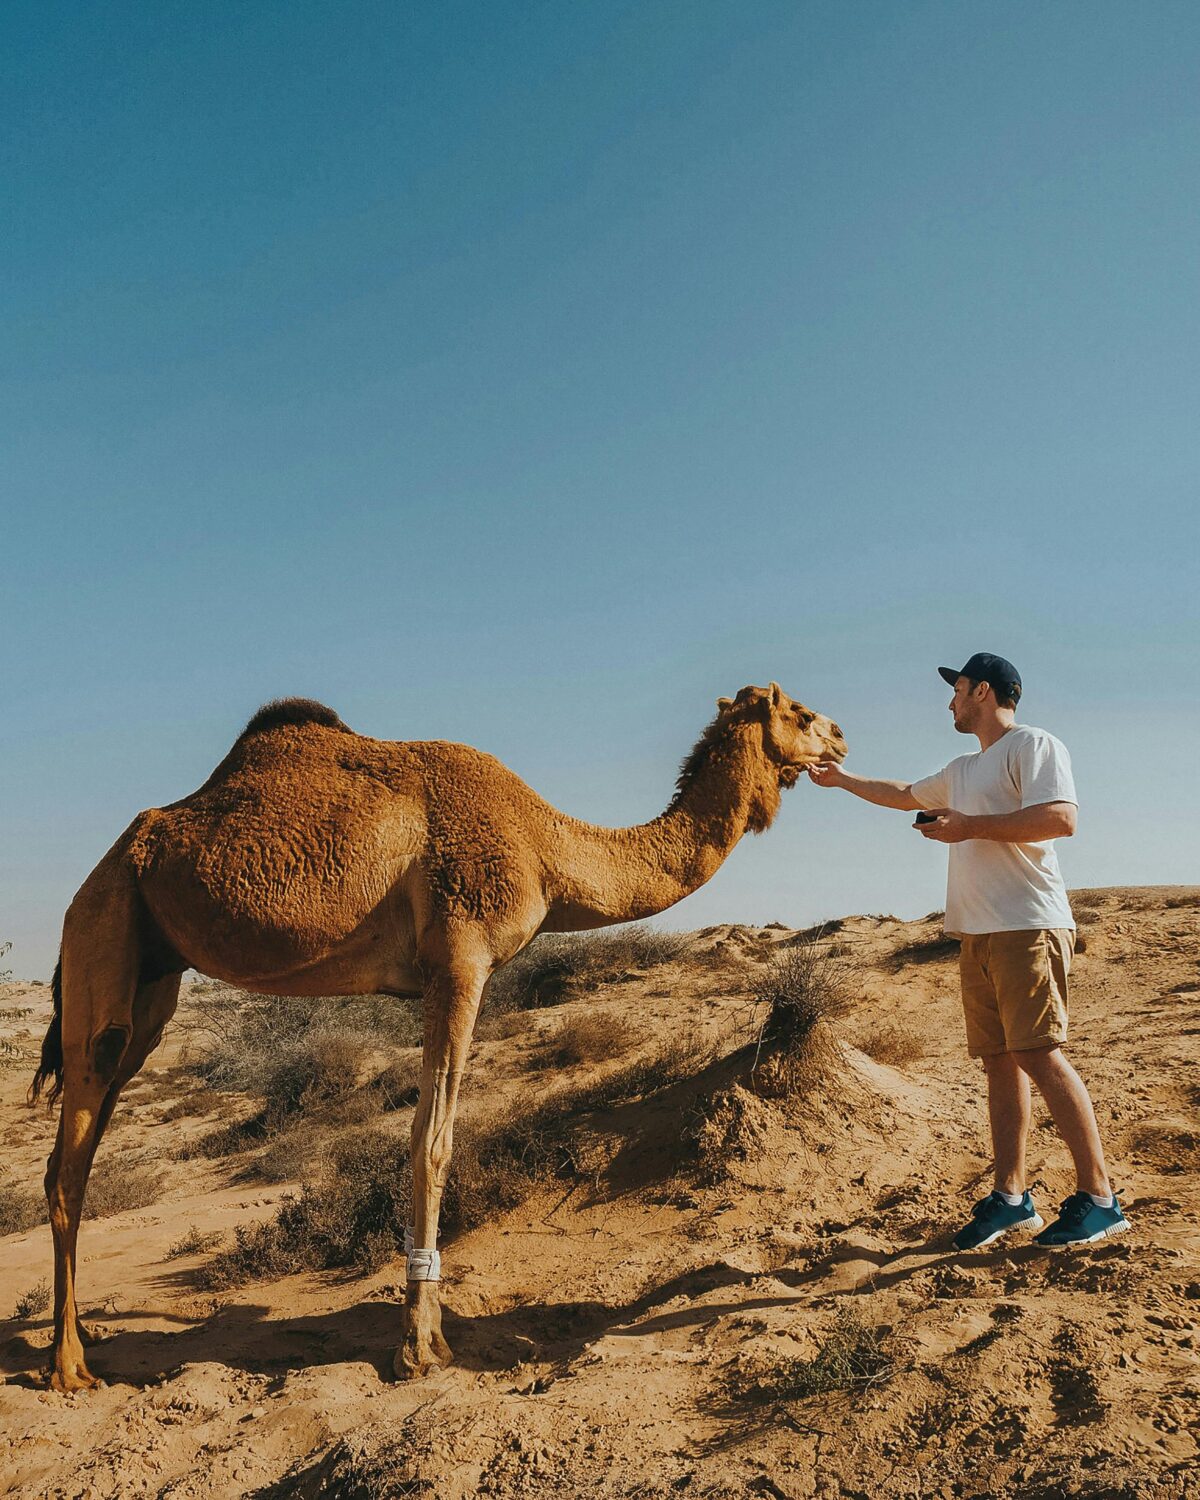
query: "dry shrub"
926, 950
20, 1209
13, 1053
399, 1085
34, 1302
237, 1042
852, 1357
312, 1077
225, 1140
819, 931
588, 1038
317, 1068
560, 966
889, 1042
501, 1025
353, 1213
196, 1102
292, 1156
304, 1058
195, 1242
119, 1184
804, 987
385, 1460
1172, 903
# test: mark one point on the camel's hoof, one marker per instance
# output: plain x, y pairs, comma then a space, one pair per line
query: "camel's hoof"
78, 1379
421, 1357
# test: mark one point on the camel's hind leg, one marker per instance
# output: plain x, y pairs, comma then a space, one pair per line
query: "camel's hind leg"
100, 962
153, 1006
451, 1005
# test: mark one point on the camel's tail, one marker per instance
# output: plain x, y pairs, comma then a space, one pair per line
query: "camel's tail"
51, 1065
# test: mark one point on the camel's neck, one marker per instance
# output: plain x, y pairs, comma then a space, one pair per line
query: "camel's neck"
624, 874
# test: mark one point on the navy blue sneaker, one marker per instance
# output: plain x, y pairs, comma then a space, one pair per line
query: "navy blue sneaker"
991, 1217
1080, 1222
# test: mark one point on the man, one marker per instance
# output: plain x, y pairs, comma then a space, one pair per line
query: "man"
999, 809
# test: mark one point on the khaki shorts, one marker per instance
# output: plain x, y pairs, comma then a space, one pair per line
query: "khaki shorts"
1014, 989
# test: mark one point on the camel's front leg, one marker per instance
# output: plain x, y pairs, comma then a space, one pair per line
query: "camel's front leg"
451, 1004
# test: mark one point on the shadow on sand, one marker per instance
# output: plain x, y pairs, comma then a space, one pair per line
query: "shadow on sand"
247, 1337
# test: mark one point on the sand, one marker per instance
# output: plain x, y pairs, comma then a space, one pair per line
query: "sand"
628, 1335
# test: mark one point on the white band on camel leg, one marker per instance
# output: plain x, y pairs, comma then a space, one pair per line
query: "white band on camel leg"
424, 1265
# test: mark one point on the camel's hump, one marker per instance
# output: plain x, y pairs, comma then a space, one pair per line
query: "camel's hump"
292, 711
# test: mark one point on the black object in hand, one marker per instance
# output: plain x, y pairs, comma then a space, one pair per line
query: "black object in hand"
925, 817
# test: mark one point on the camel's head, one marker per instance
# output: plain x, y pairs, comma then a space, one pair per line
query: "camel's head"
793, 736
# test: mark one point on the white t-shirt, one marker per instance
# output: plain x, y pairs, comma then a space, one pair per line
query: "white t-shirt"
994, 887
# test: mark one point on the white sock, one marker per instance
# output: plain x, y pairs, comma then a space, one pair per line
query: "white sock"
1102, 1202
1014, 1200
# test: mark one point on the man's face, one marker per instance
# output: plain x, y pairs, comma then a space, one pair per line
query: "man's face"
967, 705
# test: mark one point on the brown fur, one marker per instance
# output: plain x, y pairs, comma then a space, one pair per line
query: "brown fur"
317, 861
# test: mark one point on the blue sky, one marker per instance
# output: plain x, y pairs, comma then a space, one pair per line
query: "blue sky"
532, 375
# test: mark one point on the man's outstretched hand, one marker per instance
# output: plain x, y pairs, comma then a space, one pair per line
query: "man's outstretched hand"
826, 773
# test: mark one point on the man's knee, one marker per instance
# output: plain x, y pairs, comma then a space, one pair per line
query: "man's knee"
1040, 1062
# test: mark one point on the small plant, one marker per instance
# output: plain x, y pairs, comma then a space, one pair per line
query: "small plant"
588, 1038
191, 1105
195, 1242
34, 1302
20, 1209
926, 950
120, 1184
888, 1042
803, 987
852, 1357
561, 966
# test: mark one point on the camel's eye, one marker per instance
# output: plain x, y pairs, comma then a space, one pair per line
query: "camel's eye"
805, 717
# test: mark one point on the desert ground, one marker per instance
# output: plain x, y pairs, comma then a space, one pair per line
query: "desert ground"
718, 1264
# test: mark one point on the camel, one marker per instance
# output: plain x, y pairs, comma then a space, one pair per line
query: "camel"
318, 861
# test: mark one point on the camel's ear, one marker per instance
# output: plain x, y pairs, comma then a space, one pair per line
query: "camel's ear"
724, 703
776, 695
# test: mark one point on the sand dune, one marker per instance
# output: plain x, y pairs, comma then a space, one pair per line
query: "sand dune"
639, 1330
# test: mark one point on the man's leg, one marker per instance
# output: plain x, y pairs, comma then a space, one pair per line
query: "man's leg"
1071, 1109
1009, 1109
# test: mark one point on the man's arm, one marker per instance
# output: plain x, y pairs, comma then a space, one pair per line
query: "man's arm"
897, 794
1031, 825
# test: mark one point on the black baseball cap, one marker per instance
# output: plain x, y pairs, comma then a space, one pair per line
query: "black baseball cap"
984, 666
